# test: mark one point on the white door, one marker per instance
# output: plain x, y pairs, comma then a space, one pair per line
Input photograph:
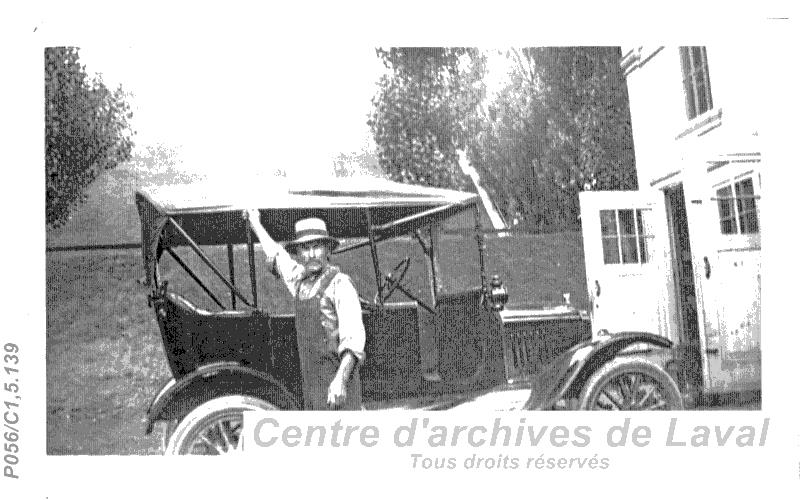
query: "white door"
623, 241
730, 278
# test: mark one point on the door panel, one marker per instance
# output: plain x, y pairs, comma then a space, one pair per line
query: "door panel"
622, 238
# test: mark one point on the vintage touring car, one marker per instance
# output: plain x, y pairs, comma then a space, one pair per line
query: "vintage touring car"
229, 353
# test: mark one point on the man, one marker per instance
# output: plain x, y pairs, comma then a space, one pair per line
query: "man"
330, 332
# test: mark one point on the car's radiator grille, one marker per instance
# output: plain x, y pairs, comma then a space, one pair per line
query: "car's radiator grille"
530, 345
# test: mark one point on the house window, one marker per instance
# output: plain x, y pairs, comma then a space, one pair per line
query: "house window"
696, 84
625, 240
738, 213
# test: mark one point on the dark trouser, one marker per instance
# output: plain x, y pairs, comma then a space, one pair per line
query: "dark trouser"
319, 360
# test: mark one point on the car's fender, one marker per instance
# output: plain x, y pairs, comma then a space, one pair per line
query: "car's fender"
178, 397
568, 371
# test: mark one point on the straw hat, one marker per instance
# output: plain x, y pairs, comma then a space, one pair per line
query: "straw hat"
311, 229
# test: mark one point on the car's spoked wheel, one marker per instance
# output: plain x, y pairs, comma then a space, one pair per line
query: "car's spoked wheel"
631, 391
630, 384
215, 427
218, 436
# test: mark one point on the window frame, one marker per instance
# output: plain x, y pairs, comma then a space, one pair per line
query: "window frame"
640, 235
695, 75
737, 240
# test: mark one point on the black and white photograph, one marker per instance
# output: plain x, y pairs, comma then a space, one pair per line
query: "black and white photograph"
466, 253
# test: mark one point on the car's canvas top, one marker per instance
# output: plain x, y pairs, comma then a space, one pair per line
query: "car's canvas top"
210, 211
276, 193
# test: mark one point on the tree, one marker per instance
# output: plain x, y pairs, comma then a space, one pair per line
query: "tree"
561, 125
588, 113
86, 131
420, 113
506, 144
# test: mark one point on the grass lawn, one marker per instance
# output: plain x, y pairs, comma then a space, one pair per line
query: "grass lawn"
104, 357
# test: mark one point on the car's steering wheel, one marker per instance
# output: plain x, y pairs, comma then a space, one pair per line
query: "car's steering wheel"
391, 283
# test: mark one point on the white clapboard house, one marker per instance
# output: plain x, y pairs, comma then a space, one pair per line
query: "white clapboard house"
681, 256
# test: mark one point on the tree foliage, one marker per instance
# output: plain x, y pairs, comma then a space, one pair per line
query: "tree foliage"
420, 113
87, 130
560, 126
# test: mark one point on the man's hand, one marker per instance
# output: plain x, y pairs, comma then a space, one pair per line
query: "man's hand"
269, 246
337, 392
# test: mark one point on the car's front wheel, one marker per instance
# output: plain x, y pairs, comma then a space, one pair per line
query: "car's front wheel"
215, 427
633, 384
168, 430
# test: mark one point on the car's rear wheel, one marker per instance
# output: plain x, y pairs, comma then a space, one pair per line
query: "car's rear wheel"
632, 384
215, 427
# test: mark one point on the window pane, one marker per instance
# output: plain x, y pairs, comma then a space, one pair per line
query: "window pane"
746, 205
688, 82
744, 195
703, 80
610, 250
727, 226
608, 222
629, 242
724, 202
699, 69
725, 206
688, 89
608, 229
748, 223
643, 249
744, 186
698, 57
702, 97
626, 222
686, 66
629, 251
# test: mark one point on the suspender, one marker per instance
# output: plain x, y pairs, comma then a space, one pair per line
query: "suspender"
324, 283
326, 280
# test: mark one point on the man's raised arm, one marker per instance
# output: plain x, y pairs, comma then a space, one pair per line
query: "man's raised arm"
268, 245
277, 257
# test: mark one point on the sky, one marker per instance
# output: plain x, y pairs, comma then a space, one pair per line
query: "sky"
250, 105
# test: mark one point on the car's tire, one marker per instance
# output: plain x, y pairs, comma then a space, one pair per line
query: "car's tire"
214, 428
628, 383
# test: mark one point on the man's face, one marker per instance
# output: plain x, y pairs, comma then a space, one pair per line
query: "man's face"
313, 256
